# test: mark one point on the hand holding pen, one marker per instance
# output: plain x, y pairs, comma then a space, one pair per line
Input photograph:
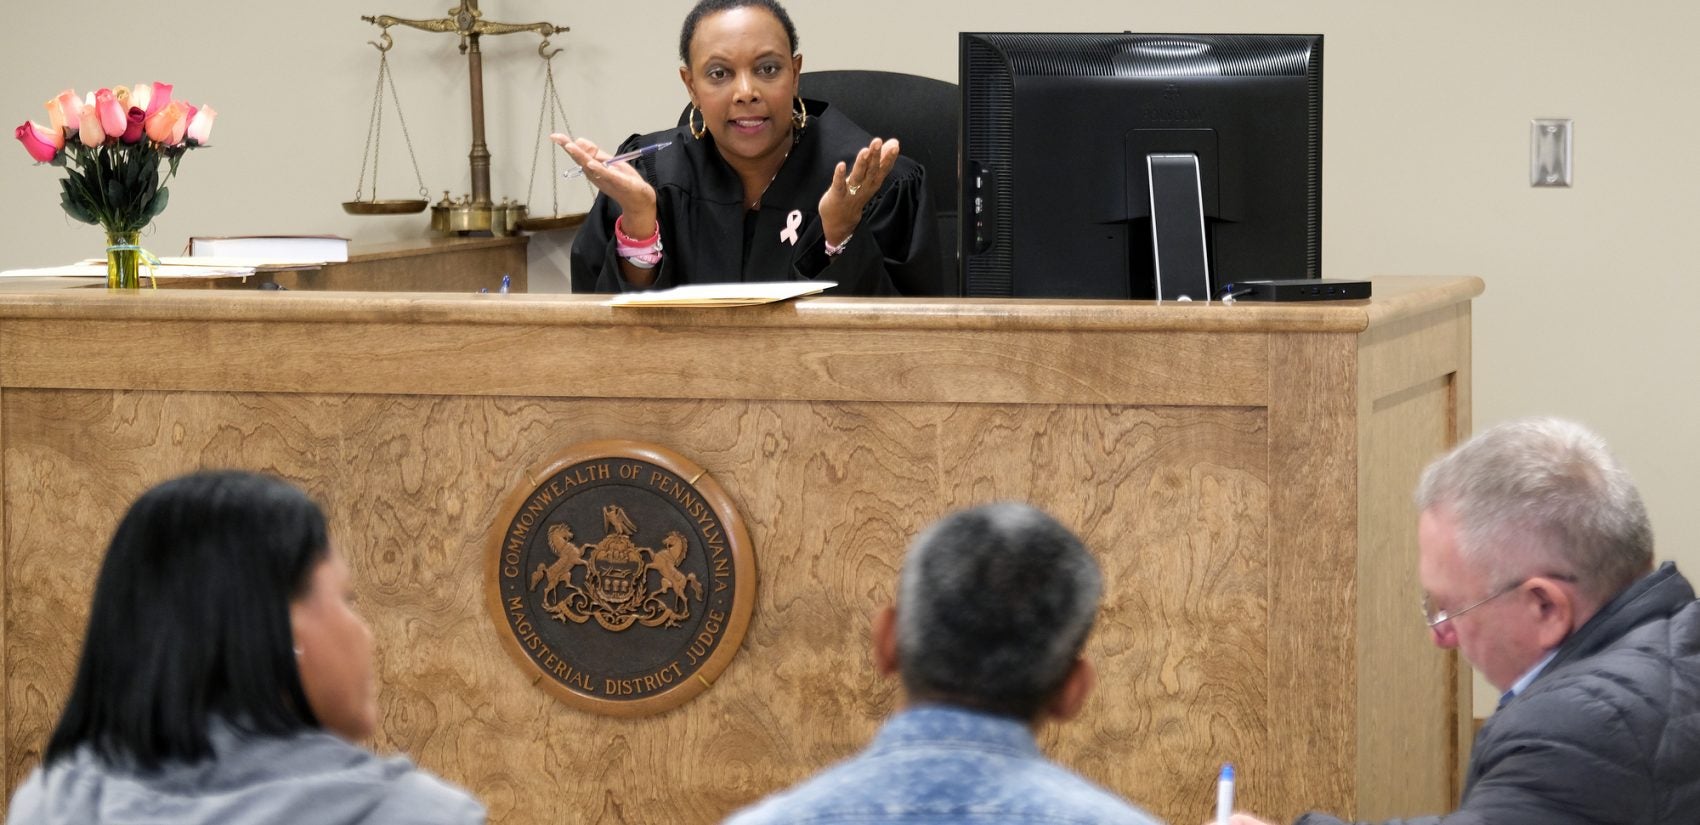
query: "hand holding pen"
619, 180
1225, 802
622, 157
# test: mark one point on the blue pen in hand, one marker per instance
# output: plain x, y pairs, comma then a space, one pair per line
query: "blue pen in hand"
622, 157
1225, 794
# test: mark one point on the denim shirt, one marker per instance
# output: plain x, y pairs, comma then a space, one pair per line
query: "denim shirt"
937, 764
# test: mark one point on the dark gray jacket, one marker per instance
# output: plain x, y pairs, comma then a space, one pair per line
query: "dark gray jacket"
1607, 734
307, 778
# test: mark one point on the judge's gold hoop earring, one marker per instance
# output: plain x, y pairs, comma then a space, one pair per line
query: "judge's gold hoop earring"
691, 120
800, 114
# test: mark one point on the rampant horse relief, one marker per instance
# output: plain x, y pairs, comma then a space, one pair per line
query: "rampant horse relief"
614, 587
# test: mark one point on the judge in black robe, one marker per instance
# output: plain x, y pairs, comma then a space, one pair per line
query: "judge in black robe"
760, 185
709, 235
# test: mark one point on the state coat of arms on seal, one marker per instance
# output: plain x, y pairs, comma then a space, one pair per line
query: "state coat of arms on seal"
622, 579
613, 587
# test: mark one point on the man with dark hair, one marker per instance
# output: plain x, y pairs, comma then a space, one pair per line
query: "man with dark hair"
1536, 561
993, 608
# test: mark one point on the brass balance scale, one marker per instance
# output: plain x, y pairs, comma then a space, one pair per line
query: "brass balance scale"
475, 212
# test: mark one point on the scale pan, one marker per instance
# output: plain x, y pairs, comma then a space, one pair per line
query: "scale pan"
545, 222
385, 207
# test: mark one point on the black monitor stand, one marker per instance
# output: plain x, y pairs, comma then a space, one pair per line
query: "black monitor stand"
1177, 227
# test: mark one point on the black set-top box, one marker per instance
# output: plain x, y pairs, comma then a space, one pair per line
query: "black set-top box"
1297, 289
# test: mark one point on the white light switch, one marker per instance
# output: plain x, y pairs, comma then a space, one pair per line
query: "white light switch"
1549, 152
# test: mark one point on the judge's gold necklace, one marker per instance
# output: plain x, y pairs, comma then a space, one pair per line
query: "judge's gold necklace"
756, 204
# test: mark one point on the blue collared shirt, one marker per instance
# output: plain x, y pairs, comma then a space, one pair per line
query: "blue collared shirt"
936, 764
1528, 678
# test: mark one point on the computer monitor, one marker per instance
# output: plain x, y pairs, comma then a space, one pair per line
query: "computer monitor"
1121, 165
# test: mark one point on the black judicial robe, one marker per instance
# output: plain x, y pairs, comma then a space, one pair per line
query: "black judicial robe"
709, 236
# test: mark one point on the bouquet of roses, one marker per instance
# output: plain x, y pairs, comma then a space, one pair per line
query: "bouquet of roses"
112, 143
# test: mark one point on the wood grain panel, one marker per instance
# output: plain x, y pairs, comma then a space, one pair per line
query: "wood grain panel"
1406, 695
1460, 428
1395, 298
1172, 501
1313, 448
1410, 351
627, 362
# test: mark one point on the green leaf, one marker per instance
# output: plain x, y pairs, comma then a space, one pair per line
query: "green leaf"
159, 202
74, 210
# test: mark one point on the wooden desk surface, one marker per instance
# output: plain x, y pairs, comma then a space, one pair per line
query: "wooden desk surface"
1395, 297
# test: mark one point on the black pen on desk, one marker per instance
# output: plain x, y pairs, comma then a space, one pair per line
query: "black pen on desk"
622, 157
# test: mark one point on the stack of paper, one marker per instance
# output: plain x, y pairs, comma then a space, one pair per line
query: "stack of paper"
722, 295
278, 249
97, 269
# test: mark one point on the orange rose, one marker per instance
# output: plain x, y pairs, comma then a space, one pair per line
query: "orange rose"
89, 129
162, 124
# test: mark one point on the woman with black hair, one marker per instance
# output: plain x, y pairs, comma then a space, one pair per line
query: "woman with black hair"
225, 677
760, 185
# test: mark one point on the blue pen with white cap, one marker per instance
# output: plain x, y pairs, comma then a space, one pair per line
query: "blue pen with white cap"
622, 157
1225, 794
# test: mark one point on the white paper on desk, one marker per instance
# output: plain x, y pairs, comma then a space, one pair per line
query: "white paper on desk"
722, 295
205, 261
99, 271
73, 271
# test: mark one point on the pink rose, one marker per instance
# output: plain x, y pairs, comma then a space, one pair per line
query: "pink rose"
42, 142
158, 99
133, 127
112, 118
70, 108
166, 123
91, 132
200, 125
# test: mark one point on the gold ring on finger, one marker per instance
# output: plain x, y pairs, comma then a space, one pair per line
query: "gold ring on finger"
854, 188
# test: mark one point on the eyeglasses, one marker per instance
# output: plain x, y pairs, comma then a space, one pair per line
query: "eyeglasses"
1436, 618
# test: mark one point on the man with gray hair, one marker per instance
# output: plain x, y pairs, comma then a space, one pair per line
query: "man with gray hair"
1536, 561
993, 608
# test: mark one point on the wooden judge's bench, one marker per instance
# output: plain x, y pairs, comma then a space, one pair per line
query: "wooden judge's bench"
1242, 472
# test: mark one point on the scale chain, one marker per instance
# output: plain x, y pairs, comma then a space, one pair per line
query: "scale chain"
411, 155
372, 128
550, 94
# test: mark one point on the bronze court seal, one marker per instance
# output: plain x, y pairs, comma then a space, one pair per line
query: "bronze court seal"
622, 578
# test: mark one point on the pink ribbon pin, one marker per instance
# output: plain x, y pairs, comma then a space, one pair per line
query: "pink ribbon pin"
792, 222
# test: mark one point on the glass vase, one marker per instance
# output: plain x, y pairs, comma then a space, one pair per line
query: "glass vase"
123, 266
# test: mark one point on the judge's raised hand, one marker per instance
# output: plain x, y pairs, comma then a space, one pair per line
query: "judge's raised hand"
852, 188
621, 181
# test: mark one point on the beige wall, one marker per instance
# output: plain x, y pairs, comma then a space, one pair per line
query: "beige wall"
1589, 289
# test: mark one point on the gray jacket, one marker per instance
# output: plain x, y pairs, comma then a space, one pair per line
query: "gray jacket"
311, 777
1607, 734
